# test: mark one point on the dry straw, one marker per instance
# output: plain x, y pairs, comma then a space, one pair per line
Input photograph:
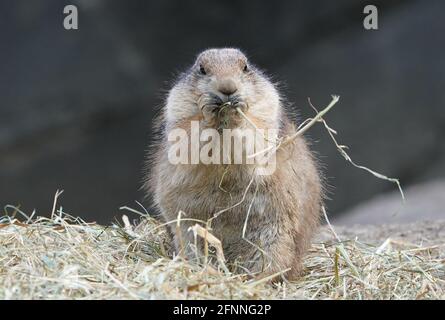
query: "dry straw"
66, 258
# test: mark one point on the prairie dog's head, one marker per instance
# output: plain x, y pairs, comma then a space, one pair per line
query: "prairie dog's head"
218, 76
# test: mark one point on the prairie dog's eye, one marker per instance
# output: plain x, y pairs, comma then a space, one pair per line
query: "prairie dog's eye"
202, 70
246, 68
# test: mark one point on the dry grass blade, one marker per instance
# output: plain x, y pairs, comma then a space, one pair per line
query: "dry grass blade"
213, 241
306, 125
313, 121
342, 148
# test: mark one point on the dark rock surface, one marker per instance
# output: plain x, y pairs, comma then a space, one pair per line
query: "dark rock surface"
76, 106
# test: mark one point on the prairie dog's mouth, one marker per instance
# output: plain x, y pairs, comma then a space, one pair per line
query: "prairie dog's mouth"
213, 102
222, 114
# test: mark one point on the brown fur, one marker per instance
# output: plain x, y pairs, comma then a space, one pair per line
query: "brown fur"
284, 207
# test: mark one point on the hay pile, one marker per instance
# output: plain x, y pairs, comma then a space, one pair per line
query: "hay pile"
66, 258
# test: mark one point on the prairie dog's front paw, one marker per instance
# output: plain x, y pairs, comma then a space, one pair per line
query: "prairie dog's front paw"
209, 106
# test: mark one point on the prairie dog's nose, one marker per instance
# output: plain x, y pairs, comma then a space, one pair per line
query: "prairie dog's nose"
227, 86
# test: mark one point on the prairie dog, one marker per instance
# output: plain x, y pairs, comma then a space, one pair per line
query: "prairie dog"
283, 208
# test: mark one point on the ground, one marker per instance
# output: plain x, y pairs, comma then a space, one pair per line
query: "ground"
421, 232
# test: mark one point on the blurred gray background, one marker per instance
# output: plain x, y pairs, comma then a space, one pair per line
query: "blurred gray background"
76, 106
